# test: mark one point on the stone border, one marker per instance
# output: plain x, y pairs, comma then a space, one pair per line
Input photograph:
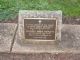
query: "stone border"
7, 33
69, 45
25, 14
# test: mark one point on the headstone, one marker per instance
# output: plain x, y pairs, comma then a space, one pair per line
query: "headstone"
39, 27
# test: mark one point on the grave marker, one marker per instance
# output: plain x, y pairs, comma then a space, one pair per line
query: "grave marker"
39, 27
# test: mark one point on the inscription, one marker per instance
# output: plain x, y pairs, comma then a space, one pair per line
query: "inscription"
40, 29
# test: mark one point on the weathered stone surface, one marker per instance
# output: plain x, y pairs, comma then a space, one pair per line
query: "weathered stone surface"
7, 31
70, 42
70, 37
29, 14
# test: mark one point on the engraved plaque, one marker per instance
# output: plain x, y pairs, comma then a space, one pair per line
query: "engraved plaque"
40, 29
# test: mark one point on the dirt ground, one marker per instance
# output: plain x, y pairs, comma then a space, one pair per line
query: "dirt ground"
65, 20
39, 56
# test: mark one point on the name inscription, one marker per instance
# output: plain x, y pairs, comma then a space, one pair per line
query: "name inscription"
40, 29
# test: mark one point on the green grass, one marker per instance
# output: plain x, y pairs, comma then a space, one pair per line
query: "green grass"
9, 8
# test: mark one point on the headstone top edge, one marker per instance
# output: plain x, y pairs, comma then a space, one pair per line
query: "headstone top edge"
24, 11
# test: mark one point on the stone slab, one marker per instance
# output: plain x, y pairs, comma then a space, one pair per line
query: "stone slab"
70, 37
70, 43
35, 16
7, 31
